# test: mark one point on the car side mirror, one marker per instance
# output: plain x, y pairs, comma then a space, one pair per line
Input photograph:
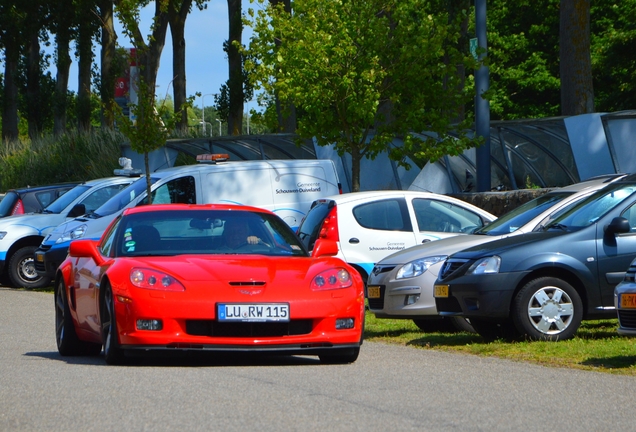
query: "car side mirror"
618, 225
324, 248
77, 210
86, 249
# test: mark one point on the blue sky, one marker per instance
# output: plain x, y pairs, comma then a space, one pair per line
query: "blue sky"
206, 63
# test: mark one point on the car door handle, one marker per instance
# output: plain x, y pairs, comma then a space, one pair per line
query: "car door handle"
354, 240
426, 240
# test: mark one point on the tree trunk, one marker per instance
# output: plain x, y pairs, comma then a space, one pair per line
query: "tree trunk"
577, 93
63, 64
177, 19
10, 106
235, 63
356, 158
34, 108
108, 74
286, 115
85, 50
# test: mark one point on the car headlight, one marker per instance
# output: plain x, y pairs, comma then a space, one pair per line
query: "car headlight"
73, 234
417, 267
337, 278
485, 265
2, 234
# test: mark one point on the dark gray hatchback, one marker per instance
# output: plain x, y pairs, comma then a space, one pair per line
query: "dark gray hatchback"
541, 285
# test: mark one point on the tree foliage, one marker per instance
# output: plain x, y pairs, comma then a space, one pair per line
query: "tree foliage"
362, 73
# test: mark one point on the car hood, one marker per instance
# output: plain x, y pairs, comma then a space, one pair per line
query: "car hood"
445, 246
246, 269
505, 244
31, 219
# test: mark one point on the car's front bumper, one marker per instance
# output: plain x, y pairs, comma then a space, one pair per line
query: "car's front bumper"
47, 260
485, 295
409, 298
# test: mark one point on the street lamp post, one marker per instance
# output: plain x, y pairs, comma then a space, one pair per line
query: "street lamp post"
203, 109
220, 122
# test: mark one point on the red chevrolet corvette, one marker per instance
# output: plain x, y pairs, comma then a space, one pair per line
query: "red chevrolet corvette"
206, 277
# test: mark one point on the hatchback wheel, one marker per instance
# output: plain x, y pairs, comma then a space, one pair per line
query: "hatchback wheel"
547, 308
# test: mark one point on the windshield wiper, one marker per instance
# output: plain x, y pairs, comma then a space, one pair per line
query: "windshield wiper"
558, 226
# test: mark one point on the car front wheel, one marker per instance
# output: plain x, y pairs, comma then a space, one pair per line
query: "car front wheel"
113, 353
22, 270
547, 308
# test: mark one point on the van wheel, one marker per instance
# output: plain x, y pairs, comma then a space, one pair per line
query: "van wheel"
22, 270
547, 308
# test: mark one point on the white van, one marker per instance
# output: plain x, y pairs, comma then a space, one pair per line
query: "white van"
286, 187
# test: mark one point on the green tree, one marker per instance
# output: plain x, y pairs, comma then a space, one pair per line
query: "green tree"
362, 73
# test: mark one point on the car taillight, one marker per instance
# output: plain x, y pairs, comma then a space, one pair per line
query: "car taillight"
329, 229
19, 208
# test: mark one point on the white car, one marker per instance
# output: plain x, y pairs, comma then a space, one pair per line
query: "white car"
20, 235
368, 226
401, 285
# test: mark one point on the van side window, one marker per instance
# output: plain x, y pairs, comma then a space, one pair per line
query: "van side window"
386, 215
177, 191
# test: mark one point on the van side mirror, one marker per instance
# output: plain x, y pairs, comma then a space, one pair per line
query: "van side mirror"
324, 247
77, 210
618, 225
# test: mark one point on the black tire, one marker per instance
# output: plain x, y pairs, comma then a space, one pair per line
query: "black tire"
547, 308
113, 353
340, 356
462, 324
444, 325
491, 331
22, 270
68, 343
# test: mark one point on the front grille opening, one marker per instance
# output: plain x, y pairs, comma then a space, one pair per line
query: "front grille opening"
627, 318
248, 329
377, 303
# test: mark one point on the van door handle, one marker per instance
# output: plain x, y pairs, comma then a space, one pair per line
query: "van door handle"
354, 240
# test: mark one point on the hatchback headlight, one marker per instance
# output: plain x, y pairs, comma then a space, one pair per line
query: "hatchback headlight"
485, 266
73, 234
417, 267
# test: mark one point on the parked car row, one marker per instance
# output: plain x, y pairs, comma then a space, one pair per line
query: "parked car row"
534, 273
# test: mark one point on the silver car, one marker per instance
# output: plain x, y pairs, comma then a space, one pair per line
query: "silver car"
401, 285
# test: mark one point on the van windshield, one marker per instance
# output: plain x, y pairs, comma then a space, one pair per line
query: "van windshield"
123, 198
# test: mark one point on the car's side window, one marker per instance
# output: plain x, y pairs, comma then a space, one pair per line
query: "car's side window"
106, 247
98, 197
181, 190
630, 215
441, 216
387, 215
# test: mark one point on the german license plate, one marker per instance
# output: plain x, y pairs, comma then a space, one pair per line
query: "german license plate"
254, 312
373, 291
440, 291
628, 301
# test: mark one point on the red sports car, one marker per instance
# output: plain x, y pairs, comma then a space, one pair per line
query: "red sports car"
206, 277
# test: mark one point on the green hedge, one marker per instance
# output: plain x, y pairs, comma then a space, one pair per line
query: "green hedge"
70, 157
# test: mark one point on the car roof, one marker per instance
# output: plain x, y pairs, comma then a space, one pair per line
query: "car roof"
43, 187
